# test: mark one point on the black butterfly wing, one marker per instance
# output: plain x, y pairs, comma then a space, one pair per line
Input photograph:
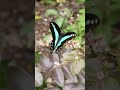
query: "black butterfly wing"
67, 36
55, 30
91, 21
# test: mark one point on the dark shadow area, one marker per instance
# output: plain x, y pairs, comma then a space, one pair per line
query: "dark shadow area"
17, 45
102, 45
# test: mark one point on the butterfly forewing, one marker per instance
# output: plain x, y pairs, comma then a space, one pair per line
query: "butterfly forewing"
66, 37
55, 30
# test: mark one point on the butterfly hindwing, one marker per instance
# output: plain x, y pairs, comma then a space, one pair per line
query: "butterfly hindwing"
67, 36
51, 47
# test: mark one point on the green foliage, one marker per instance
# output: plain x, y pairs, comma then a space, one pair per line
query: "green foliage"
42, 86
67, 12
49, 2
78, 26
46, 37
3, 73
37, 57
51, 12
80, 1
81, 22
60, 21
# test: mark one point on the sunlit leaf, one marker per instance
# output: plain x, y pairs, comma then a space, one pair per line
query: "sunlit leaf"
46, 37
37, 17
60, 21
72, 27
80, 1
60, 1
51, 12
67, 12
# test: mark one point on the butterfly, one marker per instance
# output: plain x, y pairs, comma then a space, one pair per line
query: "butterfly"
91, 21
59, 38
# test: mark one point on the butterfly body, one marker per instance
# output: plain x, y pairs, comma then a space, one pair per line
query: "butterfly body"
91, 21
59, 38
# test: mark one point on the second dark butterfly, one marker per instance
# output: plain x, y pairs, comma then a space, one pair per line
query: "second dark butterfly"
91, 21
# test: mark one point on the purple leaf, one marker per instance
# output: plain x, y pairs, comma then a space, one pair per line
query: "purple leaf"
45, 62
58, 76
74, 87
